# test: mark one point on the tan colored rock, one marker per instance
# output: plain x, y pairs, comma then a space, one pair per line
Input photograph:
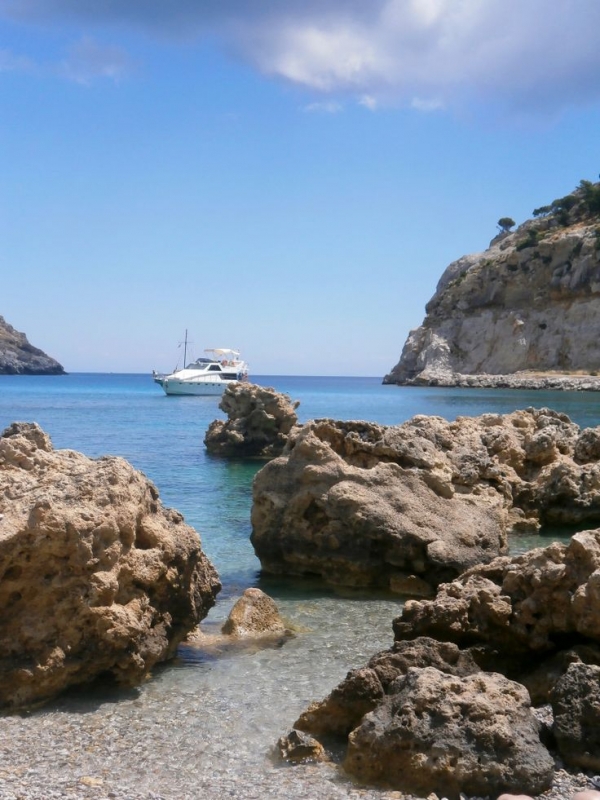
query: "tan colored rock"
576, 708
520, 605
254, 614
410, 506
297, 747
364, 689
259, 421
96, 576
365, 505
450, 735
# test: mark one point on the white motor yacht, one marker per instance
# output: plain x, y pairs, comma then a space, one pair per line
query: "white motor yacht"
205, 376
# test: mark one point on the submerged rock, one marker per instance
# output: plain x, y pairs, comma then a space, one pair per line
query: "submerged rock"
297, 746
96, 576
254, 614
258, 424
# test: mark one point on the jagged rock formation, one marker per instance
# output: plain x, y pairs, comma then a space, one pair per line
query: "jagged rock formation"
96, 576
447, 708
410, 506
524, 313
18, 357
258, 424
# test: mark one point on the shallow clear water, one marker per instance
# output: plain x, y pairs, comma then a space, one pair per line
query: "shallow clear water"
235, 705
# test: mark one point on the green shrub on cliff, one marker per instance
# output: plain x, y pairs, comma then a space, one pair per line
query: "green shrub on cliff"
591, 196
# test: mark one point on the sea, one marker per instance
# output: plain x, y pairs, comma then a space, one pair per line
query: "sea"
250, 697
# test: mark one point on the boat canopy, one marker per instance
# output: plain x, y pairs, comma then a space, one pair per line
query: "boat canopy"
222, 351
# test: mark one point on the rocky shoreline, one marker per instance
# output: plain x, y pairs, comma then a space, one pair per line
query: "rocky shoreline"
528, 381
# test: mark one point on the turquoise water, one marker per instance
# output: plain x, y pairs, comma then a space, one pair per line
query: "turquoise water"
128, 415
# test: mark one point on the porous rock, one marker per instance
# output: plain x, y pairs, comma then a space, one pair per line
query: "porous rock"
96, 576
254, 614
364, 689
259, 420
576, 707
441, 733
414, 505
519, 606
297, 746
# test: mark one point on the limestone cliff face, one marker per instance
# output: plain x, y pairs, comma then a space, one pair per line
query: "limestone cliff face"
529, 304
18, 357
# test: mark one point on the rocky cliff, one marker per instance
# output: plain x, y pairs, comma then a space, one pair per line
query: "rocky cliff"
525, 312
19, 357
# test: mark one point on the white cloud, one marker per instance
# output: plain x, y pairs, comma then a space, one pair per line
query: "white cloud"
368, 101
532, 54
426, 104
325, 107
87, 61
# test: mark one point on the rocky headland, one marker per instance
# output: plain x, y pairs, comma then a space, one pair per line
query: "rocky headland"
97, 578
19, 357
523, 314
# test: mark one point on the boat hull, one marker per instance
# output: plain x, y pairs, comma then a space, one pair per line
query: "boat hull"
173, 386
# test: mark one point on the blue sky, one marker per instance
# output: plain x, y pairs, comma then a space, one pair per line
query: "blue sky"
287, 178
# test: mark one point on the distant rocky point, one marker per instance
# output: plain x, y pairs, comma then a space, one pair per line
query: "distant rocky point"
523, 314
19, 357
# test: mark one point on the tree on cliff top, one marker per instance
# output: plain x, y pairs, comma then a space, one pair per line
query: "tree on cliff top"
505, 224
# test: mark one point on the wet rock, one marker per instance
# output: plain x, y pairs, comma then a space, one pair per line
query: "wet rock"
259, 421
440, 733
96, 576
297, 746
254, 614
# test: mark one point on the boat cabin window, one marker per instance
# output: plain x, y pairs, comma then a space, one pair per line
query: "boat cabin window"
214, 368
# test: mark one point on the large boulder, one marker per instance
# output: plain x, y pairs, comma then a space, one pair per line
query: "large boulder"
96, 576
364, 689
446, 734
259, 420
533, 619
410, 506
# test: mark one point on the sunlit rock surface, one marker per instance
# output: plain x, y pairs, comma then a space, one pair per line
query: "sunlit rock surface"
524, 313
96, 576
259, 420
412, 506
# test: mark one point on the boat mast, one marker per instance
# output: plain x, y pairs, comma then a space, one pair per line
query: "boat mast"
185, 350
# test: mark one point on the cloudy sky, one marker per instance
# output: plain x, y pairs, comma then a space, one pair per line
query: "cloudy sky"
290, 178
